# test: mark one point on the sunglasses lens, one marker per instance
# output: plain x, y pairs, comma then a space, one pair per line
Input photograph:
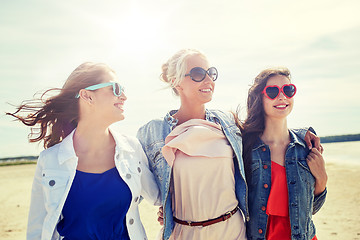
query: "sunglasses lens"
117, 89
197, 74
213, 73
272, 92
289, 90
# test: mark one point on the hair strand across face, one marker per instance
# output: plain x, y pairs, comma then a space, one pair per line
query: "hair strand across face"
57, 116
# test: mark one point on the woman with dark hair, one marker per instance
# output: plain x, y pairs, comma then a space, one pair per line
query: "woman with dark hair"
286, 180
89, 179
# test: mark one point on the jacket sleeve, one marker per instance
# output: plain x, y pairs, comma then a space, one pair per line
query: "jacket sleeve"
319, 201
37, 211
149, 188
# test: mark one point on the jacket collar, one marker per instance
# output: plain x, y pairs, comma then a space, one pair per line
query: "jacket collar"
258, 144
170, 119
294, 139
67, 151
210, 116
121, 140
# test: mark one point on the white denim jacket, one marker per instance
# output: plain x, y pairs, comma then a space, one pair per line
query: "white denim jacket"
55, 172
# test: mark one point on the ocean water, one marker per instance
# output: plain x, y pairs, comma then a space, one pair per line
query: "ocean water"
342, 152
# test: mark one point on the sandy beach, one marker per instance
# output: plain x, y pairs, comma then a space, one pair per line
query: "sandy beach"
15, 189
338, 219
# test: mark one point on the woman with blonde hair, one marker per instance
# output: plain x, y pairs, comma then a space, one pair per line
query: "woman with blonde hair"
90, 178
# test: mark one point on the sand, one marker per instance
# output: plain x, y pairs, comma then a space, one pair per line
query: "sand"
338, 219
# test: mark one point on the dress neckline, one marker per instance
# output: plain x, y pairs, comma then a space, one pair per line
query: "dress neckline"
107, 171
276, 164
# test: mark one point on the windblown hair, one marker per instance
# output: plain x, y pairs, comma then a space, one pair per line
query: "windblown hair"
174, 70
254, 124
56, 116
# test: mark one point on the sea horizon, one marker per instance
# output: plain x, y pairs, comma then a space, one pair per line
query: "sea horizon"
335, 152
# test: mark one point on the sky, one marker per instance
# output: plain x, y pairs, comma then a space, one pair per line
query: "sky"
42, 42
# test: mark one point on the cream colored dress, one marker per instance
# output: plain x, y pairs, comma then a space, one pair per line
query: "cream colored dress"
202, 185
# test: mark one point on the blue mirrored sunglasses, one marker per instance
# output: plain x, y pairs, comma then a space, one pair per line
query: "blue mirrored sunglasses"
117, 88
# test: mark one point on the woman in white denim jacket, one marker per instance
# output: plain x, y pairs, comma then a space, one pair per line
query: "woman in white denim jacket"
75, 127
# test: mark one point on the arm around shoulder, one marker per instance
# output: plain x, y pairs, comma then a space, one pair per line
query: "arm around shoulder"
301, 132
310, 137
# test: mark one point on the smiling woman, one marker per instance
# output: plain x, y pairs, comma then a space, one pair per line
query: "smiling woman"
86, 165
179, 145
286, 180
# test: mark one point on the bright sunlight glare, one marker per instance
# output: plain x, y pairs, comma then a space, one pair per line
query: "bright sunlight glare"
136, 32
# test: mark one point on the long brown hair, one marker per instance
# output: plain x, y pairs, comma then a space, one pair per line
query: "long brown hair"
254, 124
58, 115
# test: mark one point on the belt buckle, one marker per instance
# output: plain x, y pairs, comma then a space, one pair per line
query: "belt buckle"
227, 215
189, 223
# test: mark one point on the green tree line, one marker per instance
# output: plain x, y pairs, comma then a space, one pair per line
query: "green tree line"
340, 138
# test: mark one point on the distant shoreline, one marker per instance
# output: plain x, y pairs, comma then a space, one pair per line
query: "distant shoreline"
340, 138
32, 159
18, 160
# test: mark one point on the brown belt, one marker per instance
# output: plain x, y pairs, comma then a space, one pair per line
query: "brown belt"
208, 222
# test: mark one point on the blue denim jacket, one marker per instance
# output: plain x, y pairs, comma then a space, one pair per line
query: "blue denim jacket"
300, 182
152, 138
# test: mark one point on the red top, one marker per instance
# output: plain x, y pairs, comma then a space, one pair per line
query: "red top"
278, 206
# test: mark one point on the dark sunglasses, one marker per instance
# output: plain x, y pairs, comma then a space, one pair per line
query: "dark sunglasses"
273, 91
198, 74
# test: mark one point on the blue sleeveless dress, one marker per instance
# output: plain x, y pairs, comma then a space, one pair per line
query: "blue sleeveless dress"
96, 207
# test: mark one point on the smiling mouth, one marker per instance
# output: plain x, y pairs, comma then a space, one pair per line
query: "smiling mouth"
119, 106
206, 90
282, 106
